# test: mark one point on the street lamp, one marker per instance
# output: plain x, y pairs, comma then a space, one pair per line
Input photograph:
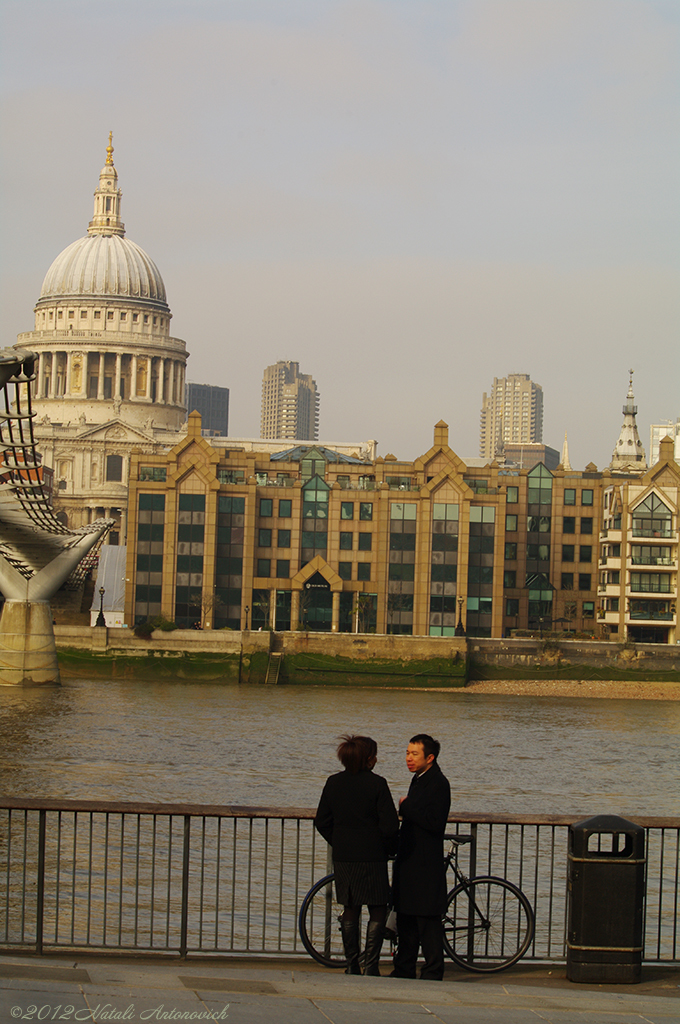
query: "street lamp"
460, 628
247, 610
101, 621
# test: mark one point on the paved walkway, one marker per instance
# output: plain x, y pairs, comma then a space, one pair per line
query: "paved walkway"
298, 992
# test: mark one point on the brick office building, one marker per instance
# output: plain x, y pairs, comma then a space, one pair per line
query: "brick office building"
318, 539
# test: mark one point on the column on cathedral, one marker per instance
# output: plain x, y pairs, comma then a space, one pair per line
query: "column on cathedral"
100, 379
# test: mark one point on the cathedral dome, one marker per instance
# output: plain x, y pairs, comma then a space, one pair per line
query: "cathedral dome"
99, 266
105, 264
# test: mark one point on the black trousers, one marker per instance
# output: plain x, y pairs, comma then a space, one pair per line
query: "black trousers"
414, 932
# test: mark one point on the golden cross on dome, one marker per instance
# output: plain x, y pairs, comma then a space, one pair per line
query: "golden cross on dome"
109, 150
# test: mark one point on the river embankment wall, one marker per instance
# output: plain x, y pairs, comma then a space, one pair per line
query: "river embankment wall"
351, 659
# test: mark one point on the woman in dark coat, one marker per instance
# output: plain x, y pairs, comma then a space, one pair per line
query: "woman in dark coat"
356, 815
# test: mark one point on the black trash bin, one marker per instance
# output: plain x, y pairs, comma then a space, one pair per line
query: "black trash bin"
606, 884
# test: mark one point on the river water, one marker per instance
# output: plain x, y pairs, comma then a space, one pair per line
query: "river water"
212, 743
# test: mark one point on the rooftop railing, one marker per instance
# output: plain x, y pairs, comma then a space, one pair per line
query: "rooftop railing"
200, 880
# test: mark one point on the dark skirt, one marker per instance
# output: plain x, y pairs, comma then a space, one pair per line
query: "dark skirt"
362, 883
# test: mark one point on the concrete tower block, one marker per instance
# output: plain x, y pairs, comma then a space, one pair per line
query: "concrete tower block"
28, 655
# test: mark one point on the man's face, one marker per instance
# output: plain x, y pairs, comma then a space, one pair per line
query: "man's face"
416, 761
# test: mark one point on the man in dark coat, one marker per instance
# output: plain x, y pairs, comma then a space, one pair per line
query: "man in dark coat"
419, 871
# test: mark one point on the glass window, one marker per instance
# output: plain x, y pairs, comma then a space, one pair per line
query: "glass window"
567, 581
540, 485
285, 508
282, 568
402, 510
153, 473
283, 539
483, 514
398, 571
366, 510
263, 566
227, 505
192, 502
114, 467
266, 507
345, 541
151, 502
588, 609
230, 476
364, 571
510, 523
586, 497
585, 553
512, 606
567, 552
366, 539
509, 579
444, 511
569, 524
584, 581
510, 551
264, 538
569, 495
347, 510
586, 525
651, 518
538, 524
538, 552
512, 495
345, 570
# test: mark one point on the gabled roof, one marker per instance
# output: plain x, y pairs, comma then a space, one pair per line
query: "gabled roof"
301, 451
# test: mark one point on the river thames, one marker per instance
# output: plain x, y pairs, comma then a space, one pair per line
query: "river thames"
212, 743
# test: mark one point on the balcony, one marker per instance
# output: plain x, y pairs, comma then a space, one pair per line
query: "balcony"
651, 560
651, 611
644, 531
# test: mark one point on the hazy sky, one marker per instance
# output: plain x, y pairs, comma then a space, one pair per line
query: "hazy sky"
408, 197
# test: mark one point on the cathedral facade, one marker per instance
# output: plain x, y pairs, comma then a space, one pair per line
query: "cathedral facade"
110, 375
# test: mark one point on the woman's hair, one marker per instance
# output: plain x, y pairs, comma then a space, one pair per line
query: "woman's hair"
355, 752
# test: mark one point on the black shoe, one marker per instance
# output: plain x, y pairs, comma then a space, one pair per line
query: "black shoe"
374, 940
350, 942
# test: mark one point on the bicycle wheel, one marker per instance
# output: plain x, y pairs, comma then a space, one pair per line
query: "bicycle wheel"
488, 925
319, 924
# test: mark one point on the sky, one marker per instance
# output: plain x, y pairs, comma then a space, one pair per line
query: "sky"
407, 197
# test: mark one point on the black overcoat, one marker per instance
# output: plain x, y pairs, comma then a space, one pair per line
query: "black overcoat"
419, 873
356, 815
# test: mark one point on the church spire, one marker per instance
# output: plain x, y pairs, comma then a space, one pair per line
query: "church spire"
629, 453
566, 464
106, 219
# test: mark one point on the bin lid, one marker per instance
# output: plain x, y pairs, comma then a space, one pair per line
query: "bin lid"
606, 823
583, 847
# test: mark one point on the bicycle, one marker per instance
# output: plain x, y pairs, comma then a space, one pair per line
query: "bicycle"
488, 923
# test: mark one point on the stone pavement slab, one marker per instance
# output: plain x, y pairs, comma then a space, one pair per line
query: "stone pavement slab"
100, 989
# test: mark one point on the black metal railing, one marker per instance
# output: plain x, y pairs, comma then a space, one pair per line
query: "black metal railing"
190, 879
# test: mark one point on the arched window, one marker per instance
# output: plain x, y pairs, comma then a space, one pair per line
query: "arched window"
540, 485
651, 518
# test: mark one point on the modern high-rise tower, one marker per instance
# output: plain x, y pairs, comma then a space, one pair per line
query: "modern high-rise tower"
512, 414
213, 404
290, 403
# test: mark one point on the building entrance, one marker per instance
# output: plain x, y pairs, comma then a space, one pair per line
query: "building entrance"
648, 634
316, 604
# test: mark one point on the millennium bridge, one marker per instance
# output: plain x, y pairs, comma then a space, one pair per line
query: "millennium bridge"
38, 554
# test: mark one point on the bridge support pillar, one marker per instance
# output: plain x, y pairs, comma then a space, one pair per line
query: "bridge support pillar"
28, 654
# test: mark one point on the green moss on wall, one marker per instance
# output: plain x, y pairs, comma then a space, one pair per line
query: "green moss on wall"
74, 663
337, 671
482, 670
